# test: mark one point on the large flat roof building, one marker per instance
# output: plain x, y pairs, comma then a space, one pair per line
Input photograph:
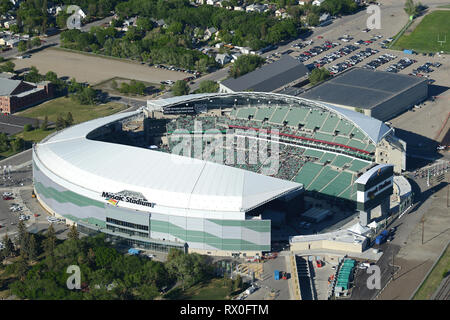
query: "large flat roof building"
378, 94
269, 78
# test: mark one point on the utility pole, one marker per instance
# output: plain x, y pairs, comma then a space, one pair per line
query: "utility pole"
423, 226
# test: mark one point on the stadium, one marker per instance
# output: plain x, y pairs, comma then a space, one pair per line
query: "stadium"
129, 176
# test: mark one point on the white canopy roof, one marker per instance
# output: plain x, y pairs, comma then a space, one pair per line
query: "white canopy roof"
165, 179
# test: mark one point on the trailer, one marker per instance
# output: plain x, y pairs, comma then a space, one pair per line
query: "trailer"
276, 275
133, 251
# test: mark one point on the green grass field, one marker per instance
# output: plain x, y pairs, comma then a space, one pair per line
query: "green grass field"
212, 290
63, 105
424, 37
434, 279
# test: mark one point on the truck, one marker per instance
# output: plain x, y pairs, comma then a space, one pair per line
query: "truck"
276, 275
406, 51
382, 237
134, 252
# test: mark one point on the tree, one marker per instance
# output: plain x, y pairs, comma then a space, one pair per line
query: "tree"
17, 144
8, 250
312, 19
245, 64
73, 233
27, 127
207, 86
36, 42
8, 66
21, 267
49, 242
60, 123
32, 249
51, 76
114, 84
44, 123
180, 88
22, 46
410, 8
319, 75
237, 284
69, 120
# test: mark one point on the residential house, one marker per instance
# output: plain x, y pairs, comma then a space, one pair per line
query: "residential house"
223, 58
256, 7
12, 42
8, 24
317, 2
212, 2
303, 2
210, 32
281, 13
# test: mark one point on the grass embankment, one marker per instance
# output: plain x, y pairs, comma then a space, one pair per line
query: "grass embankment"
432, 282
424, 38
61, 106
215, 289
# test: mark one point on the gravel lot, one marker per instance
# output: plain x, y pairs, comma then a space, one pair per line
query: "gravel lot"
94, 69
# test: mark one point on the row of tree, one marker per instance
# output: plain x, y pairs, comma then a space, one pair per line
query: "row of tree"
40, 269
134, 87
8, 144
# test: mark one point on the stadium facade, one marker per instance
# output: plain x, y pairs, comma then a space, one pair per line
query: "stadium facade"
118, 175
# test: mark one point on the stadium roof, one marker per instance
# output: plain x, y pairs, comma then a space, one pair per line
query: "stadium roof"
165, 179
375, 129
361, 88
269, 77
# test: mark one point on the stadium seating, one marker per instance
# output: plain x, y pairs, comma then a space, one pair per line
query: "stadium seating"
325, 168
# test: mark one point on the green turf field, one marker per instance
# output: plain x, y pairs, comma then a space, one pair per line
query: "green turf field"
424, 38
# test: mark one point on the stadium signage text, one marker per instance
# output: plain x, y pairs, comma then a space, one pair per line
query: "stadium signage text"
117, 197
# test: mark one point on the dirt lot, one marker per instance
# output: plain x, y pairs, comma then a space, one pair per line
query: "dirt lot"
94, 69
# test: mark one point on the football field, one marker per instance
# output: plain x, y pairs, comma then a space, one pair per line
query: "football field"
431, 35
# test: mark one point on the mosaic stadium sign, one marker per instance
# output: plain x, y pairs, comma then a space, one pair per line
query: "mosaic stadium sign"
114, 199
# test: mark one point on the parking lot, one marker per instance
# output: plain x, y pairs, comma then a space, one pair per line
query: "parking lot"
337, 55
10, 124
17, 203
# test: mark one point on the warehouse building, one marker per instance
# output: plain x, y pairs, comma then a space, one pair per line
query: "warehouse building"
378, 94
271, 77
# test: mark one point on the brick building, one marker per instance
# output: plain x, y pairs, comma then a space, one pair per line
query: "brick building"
16, 95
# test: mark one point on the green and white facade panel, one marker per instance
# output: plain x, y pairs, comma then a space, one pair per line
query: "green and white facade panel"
150, 196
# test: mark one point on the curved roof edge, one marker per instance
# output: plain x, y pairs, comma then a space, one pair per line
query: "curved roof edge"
173, 181
375, 129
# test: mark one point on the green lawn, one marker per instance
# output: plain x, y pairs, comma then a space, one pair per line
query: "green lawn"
434, 279
425, 36
64, 105
212, 290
